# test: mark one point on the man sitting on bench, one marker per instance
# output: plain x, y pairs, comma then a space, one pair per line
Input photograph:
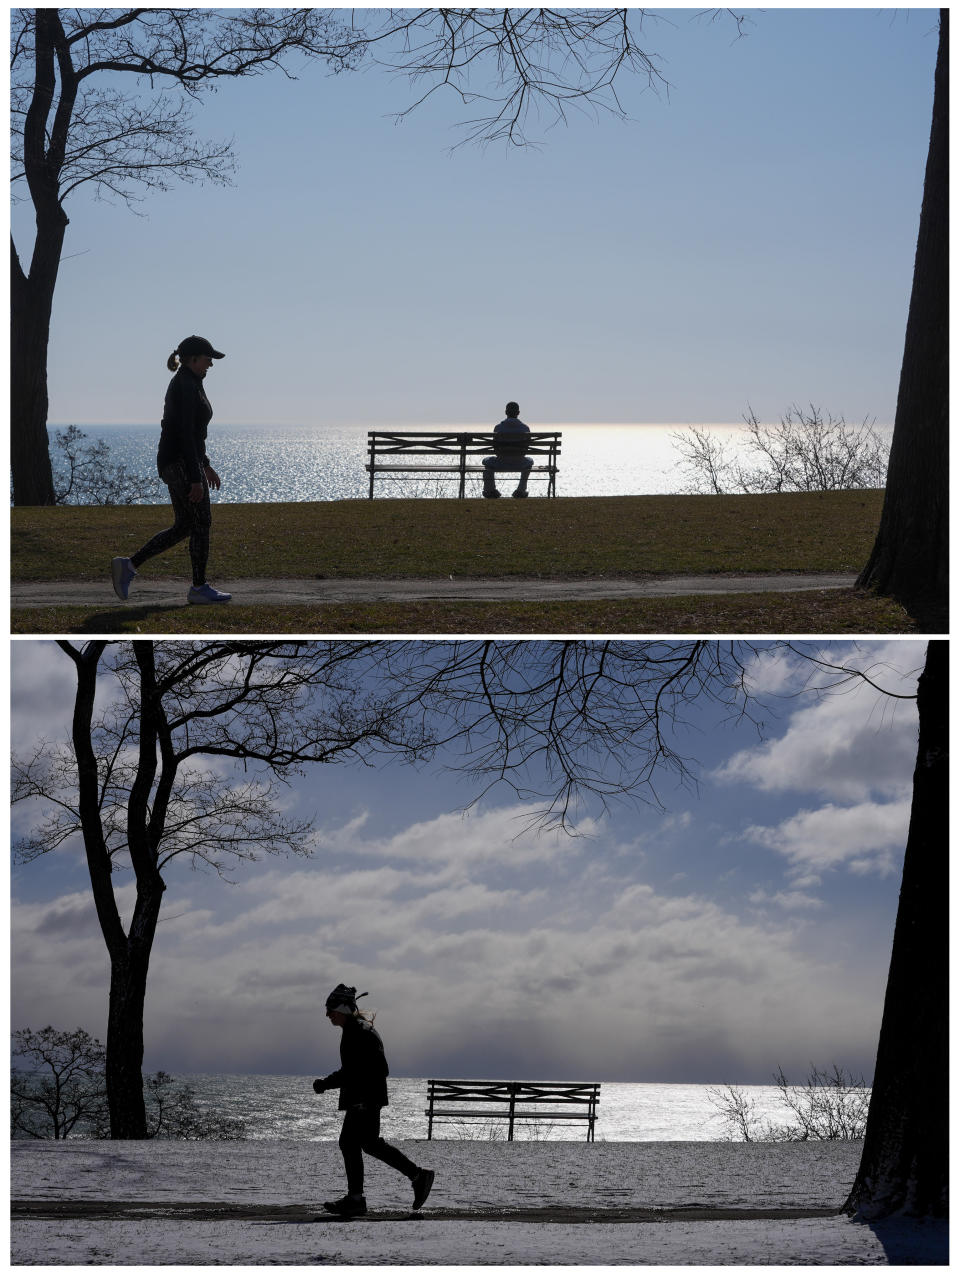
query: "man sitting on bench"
509, 448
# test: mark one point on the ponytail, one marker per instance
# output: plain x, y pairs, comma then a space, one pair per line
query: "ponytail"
172, 363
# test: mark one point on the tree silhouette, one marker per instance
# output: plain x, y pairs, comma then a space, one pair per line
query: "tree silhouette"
137, 784
75, 127
910, 558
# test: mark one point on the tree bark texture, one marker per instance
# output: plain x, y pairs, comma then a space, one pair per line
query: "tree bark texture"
905, 1155
31, 307
31, 292
910, 556
124, 1070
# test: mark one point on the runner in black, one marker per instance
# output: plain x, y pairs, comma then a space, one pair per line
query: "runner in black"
186, 470
362, 1079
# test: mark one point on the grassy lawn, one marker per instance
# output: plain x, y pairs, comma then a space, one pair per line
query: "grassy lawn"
817, 612
429, 537
422, 537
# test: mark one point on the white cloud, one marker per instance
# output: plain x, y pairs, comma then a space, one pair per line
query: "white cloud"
867, 838
849, 746
790, 900
574, 973
478, 836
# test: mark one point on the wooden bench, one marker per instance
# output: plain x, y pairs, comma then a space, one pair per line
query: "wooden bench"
512, 1102
453, 455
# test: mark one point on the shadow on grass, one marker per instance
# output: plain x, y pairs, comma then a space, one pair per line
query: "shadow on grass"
125, 620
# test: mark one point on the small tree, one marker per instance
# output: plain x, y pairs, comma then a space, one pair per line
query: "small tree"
84, 474
830, 1105
805, 452
64, 1087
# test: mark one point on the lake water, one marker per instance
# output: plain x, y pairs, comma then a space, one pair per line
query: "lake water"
280, 1107
311, 463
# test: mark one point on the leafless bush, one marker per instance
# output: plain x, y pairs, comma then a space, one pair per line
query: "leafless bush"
805, 452
174, 1114
414, 485
64, 1093
83, 474
830, 1105
494, 1129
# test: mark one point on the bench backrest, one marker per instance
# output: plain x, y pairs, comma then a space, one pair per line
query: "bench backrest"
470, 443
527, 1092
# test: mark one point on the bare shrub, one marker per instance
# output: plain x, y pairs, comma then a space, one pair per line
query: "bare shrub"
83, 474
64, 1093
805, 452
830, 1105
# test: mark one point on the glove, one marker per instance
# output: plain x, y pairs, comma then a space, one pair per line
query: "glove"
319, 1086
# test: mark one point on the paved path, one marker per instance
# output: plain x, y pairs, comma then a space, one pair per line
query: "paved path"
276, 1214
164, 592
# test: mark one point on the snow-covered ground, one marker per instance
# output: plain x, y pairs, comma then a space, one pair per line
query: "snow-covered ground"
472, 1176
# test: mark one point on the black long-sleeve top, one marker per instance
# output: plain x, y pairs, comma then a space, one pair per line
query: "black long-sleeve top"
362, 1076
183, 430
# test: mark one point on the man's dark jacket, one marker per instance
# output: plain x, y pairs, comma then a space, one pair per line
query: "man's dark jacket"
363, 1072
510, 438
183, 430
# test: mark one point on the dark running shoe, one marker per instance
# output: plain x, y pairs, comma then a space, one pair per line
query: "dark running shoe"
422, 1184
347, 1206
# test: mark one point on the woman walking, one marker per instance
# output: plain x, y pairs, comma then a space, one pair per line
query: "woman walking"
186, 470
362, 1079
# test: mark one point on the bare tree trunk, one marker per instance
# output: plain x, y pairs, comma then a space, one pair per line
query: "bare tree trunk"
130, 963
31, 305
910, 557
124, 1070
31, 293
905, 1153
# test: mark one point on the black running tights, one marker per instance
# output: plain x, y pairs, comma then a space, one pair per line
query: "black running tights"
361, 1134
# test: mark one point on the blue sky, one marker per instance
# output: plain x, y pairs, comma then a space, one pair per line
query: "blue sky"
747, 925
748, 239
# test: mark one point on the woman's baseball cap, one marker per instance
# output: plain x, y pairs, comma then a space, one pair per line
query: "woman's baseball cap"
198, 346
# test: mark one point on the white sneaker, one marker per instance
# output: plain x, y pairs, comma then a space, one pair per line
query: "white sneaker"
123, 573
206, 594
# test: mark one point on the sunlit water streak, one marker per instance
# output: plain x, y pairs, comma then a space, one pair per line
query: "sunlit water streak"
311, 463
282, 1107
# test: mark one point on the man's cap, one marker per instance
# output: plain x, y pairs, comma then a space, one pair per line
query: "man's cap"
198, 346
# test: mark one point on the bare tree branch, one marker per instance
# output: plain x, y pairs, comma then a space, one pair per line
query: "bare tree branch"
520, 63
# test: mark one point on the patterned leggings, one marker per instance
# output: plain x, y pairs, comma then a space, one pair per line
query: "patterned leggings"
191, 518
